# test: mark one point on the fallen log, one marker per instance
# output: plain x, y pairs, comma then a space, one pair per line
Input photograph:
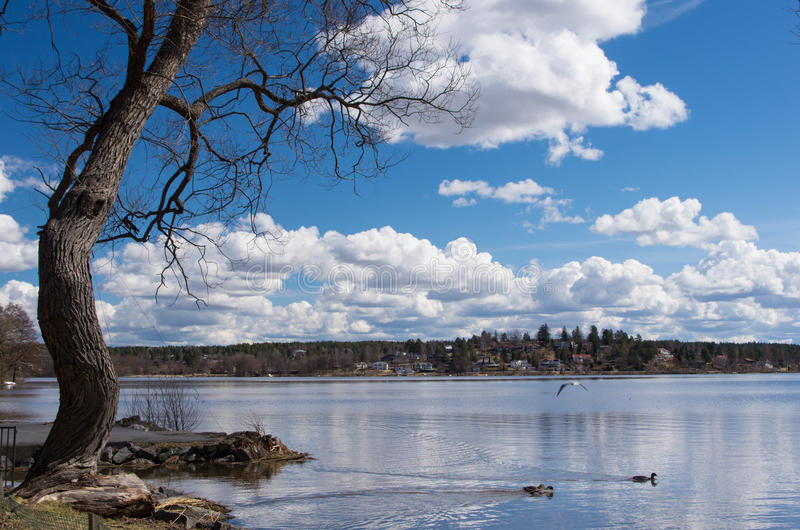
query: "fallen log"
107, 495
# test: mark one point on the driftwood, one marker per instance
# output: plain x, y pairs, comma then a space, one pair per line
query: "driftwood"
108, 495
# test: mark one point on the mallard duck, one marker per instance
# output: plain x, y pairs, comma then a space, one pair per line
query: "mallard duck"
541, 489
642, 478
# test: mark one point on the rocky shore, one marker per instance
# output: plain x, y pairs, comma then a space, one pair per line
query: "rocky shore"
114, 491
245, 446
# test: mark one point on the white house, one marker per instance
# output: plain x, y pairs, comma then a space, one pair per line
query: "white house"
664, 355
521, 364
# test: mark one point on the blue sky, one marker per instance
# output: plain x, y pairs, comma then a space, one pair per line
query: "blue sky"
637, 161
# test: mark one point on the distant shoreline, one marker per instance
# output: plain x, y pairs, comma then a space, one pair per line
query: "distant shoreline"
442, 375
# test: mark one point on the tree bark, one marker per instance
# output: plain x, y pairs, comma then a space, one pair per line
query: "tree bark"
89, 389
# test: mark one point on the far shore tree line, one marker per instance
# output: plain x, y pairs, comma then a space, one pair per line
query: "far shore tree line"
601, 351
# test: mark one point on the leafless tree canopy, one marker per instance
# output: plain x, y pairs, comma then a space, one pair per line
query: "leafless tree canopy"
182, 114
19, 344
300, 88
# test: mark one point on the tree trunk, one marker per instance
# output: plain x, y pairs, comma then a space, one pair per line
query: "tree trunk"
89, 390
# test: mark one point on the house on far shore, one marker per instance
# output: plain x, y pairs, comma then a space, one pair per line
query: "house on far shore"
361, 365
581, 358
380, 365
664, 355
550, 364
423, 367
298, 353
521, 364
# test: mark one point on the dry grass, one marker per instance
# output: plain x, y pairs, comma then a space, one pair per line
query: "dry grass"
48, 511
192, 501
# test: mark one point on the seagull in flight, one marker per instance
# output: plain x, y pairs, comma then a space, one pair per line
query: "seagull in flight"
570, 383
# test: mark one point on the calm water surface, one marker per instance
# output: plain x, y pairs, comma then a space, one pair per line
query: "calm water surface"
426, 452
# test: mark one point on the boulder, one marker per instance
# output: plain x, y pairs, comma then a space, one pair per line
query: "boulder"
149, 453
165, 454
140, 462
107, 454
122, 456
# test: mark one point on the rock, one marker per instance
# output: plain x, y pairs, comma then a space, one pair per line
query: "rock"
175, 518
107, 454
165, 454
174, 459
108, 495
225, 459
122, 456
209, 451
149, 453
246, 446
140, 462
137, 423
169, 492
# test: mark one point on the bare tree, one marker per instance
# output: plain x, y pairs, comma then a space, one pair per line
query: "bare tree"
19, 344
218, 96
169, 403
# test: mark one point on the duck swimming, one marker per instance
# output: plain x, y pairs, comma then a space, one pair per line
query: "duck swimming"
541, 489
642, 478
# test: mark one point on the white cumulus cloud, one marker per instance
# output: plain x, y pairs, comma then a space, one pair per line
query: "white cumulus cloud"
543, 75
463, 202
6, 184
465, 187
23, 294
672, 223
526, 191
382, 283
17, 253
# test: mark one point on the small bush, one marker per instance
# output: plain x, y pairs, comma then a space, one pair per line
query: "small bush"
169, 403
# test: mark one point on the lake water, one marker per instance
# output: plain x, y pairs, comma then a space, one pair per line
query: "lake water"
452, 452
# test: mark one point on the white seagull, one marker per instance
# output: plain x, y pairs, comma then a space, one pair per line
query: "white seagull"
570, 383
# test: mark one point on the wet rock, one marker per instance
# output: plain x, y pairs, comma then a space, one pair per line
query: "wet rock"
137, 423
107, 454
169, 492
122, 456
225, 459
166, 454
145, 452
140, 462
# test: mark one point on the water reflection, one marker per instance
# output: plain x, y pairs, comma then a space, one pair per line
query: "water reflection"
246, 475
444, 452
